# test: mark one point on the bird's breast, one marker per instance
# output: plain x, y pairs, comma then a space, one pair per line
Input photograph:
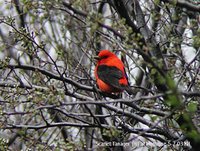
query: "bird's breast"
106, 87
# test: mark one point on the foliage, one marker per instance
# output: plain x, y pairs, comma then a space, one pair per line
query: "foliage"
48, 96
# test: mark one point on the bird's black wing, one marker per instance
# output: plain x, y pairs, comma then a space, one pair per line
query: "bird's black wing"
110, 75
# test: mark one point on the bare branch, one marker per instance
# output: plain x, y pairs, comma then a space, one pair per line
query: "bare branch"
37, 127
185, 4
51, 75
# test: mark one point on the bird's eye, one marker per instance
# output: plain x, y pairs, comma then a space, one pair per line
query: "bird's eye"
104, 57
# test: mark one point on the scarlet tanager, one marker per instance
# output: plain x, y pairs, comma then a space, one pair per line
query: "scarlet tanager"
110, 73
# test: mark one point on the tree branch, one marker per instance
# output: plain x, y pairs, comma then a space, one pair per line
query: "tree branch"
37, 127
84, 14
185, 4
51, 75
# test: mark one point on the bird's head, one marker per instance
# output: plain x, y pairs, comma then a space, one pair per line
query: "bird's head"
104, 54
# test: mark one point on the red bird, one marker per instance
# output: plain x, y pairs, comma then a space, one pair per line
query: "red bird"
110, 73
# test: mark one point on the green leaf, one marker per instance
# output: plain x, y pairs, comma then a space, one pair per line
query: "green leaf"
174, 2
154, 118
157, 2
192, 107
173, 101
196, 41
194, 134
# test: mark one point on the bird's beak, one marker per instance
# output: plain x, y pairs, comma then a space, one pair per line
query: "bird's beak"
96, 57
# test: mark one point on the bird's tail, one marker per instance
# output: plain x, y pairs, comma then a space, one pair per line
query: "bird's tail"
129, 90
